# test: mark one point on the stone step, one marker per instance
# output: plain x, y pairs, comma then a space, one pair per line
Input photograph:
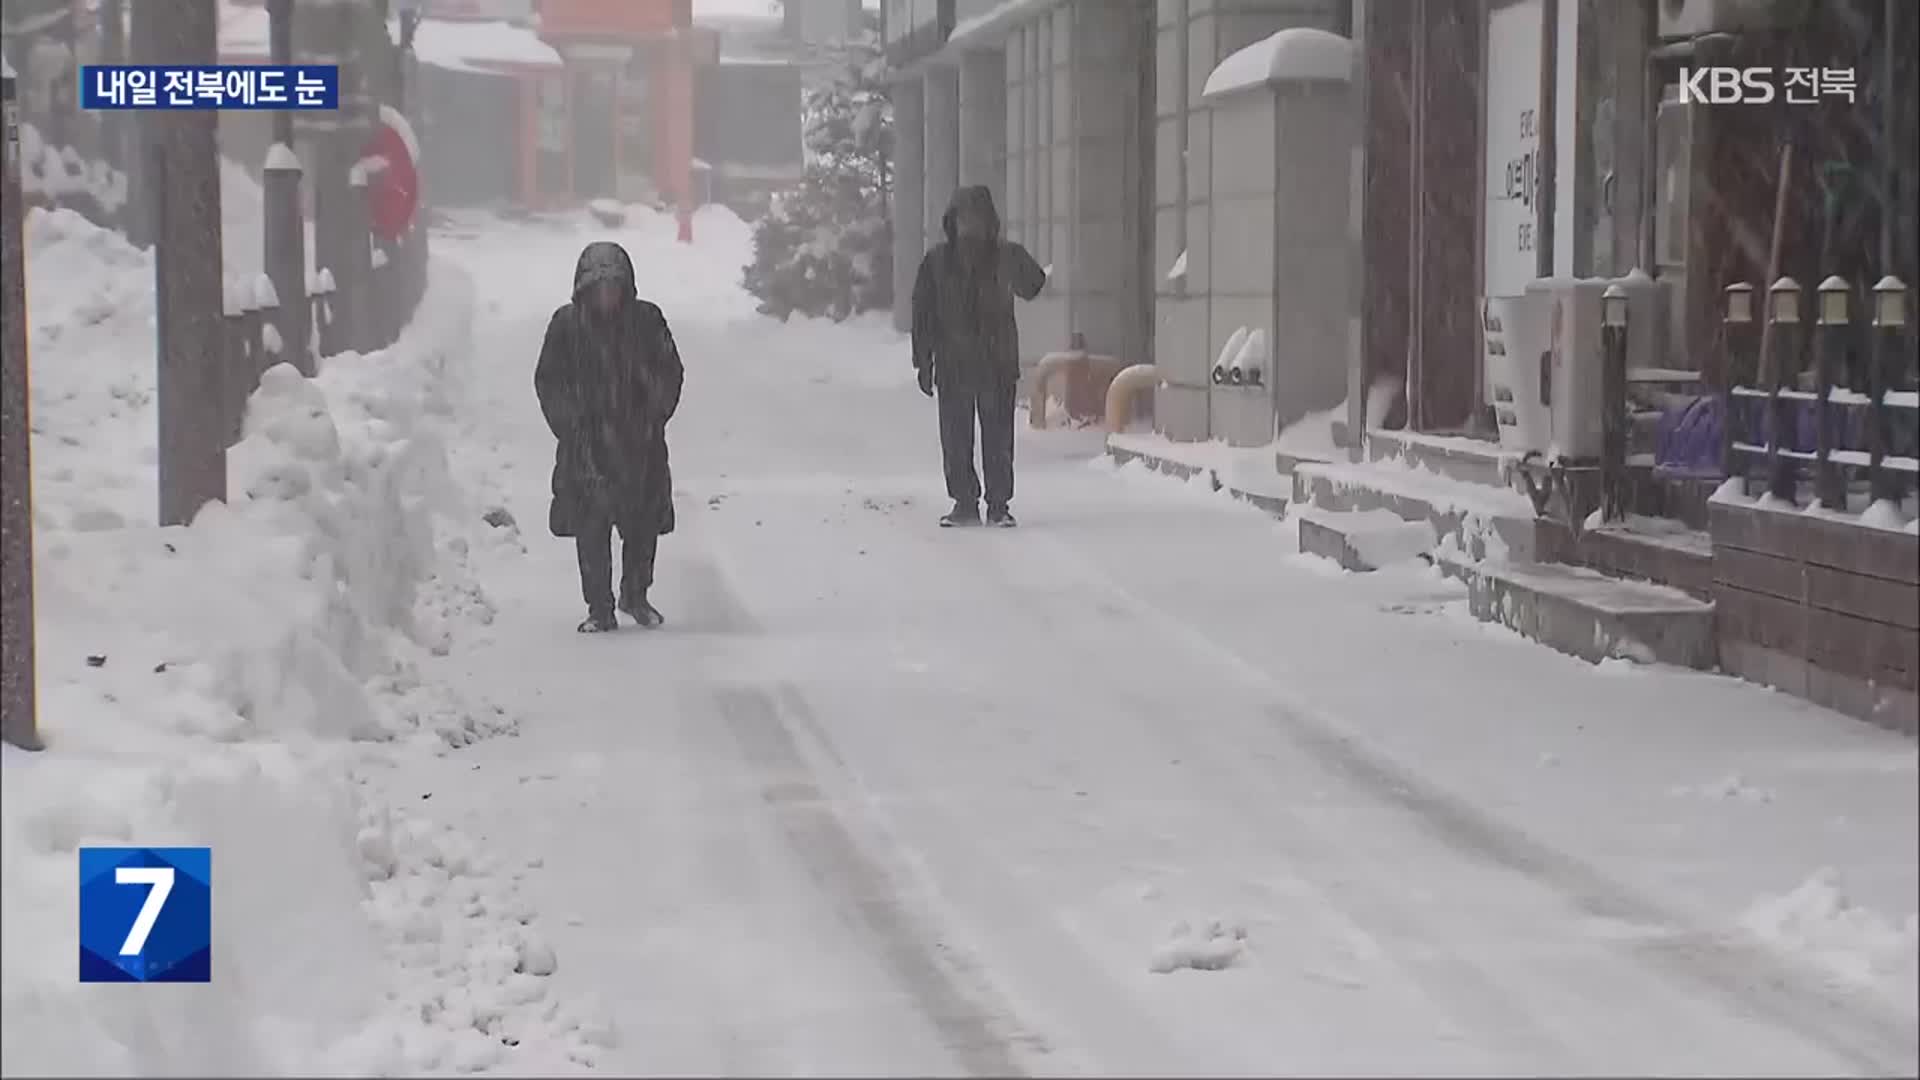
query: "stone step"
1479, 520
1470, 461
1641, 549
1245, 475
1364, 540
1584, 613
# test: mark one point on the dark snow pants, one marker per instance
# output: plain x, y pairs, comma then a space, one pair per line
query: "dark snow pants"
992, 406
593, 544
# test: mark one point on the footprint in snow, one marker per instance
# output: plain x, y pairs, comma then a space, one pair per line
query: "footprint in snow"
1213, 947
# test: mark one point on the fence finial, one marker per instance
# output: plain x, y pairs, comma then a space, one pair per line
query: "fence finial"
1785, 301
1890, 302
1739, 302
1833, 301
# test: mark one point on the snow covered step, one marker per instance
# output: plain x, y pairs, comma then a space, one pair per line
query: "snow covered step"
1471, 461
1364, 540
1248, 474
1584, 613
1479, 520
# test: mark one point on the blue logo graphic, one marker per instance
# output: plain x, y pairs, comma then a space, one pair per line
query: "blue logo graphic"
209, 86
146, 914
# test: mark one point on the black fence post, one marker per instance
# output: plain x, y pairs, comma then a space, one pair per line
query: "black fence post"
1614, 425
1834, 327
1741, 367
1784, 316
1884, 377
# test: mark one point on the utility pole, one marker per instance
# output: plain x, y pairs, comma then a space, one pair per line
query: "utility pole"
183, 178
18, 709
286, 224
329, 34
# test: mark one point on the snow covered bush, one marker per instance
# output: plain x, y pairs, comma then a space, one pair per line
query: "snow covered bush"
825, 247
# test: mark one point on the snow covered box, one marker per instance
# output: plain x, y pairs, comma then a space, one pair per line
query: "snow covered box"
1277, 251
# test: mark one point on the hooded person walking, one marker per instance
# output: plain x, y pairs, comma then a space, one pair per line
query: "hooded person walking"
609, 380
967, 347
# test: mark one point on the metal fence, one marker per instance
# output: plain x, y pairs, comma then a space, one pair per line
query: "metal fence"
1830, 403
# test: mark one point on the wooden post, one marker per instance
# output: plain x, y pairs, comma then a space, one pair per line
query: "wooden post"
18, 709
1834, 327
184, 177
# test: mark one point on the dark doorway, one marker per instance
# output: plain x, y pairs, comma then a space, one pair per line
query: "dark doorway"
593, 134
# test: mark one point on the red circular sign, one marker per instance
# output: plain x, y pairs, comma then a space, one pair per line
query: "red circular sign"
393, 189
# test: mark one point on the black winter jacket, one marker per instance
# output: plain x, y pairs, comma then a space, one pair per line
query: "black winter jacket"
963, 318
608, 384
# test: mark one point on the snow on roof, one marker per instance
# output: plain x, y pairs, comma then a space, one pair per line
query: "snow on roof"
998, 19
460, 45
1297, 54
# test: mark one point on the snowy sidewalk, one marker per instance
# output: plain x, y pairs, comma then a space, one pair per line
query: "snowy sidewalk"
1127, 789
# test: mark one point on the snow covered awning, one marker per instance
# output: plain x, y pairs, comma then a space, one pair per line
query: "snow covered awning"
997, 21
1297, 54
489, 47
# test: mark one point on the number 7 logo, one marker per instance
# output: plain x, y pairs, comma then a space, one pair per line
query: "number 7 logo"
160, 878
160, 930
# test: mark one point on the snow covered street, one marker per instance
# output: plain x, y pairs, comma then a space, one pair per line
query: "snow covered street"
1127, 790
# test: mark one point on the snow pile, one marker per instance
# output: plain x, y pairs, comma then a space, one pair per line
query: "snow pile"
233, 684
93, 374
1311, 436
1818, 919
1214, 947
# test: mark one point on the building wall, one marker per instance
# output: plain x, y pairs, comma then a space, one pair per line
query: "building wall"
1074, 184
1192, 37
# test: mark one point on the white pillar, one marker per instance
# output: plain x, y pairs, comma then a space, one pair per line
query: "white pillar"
983, 122
909, 195
942, 146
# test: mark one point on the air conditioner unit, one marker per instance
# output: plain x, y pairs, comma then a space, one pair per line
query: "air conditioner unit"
1691, 18
1575, 363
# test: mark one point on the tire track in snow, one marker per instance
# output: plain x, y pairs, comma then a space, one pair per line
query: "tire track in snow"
972, 1023
1748, 978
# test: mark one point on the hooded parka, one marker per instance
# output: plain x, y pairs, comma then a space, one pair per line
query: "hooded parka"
608, 383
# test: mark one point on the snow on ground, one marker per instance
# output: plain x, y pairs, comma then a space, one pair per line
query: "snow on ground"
1132, 788
238, 683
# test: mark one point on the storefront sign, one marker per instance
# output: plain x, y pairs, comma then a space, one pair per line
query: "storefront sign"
1512, 164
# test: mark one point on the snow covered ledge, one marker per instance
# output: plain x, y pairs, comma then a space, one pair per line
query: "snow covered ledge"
1277, 244
1299, 54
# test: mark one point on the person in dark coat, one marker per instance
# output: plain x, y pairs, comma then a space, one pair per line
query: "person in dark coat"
966, 345
609, 380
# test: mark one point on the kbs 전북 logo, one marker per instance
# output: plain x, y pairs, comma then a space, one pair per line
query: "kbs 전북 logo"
146, 914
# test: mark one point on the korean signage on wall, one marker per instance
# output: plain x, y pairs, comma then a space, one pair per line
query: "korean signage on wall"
1513, 169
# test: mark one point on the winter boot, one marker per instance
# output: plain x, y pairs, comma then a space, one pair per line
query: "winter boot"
1000, 517
598, 622
640, 611
962, 514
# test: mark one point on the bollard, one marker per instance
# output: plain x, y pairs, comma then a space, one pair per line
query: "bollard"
1834, 324
1783, 320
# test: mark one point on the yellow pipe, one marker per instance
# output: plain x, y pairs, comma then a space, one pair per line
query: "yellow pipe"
1120, 394
1050, 365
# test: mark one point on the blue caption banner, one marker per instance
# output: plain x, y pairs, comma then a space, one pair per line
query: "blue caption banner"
146, 914
216, 86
